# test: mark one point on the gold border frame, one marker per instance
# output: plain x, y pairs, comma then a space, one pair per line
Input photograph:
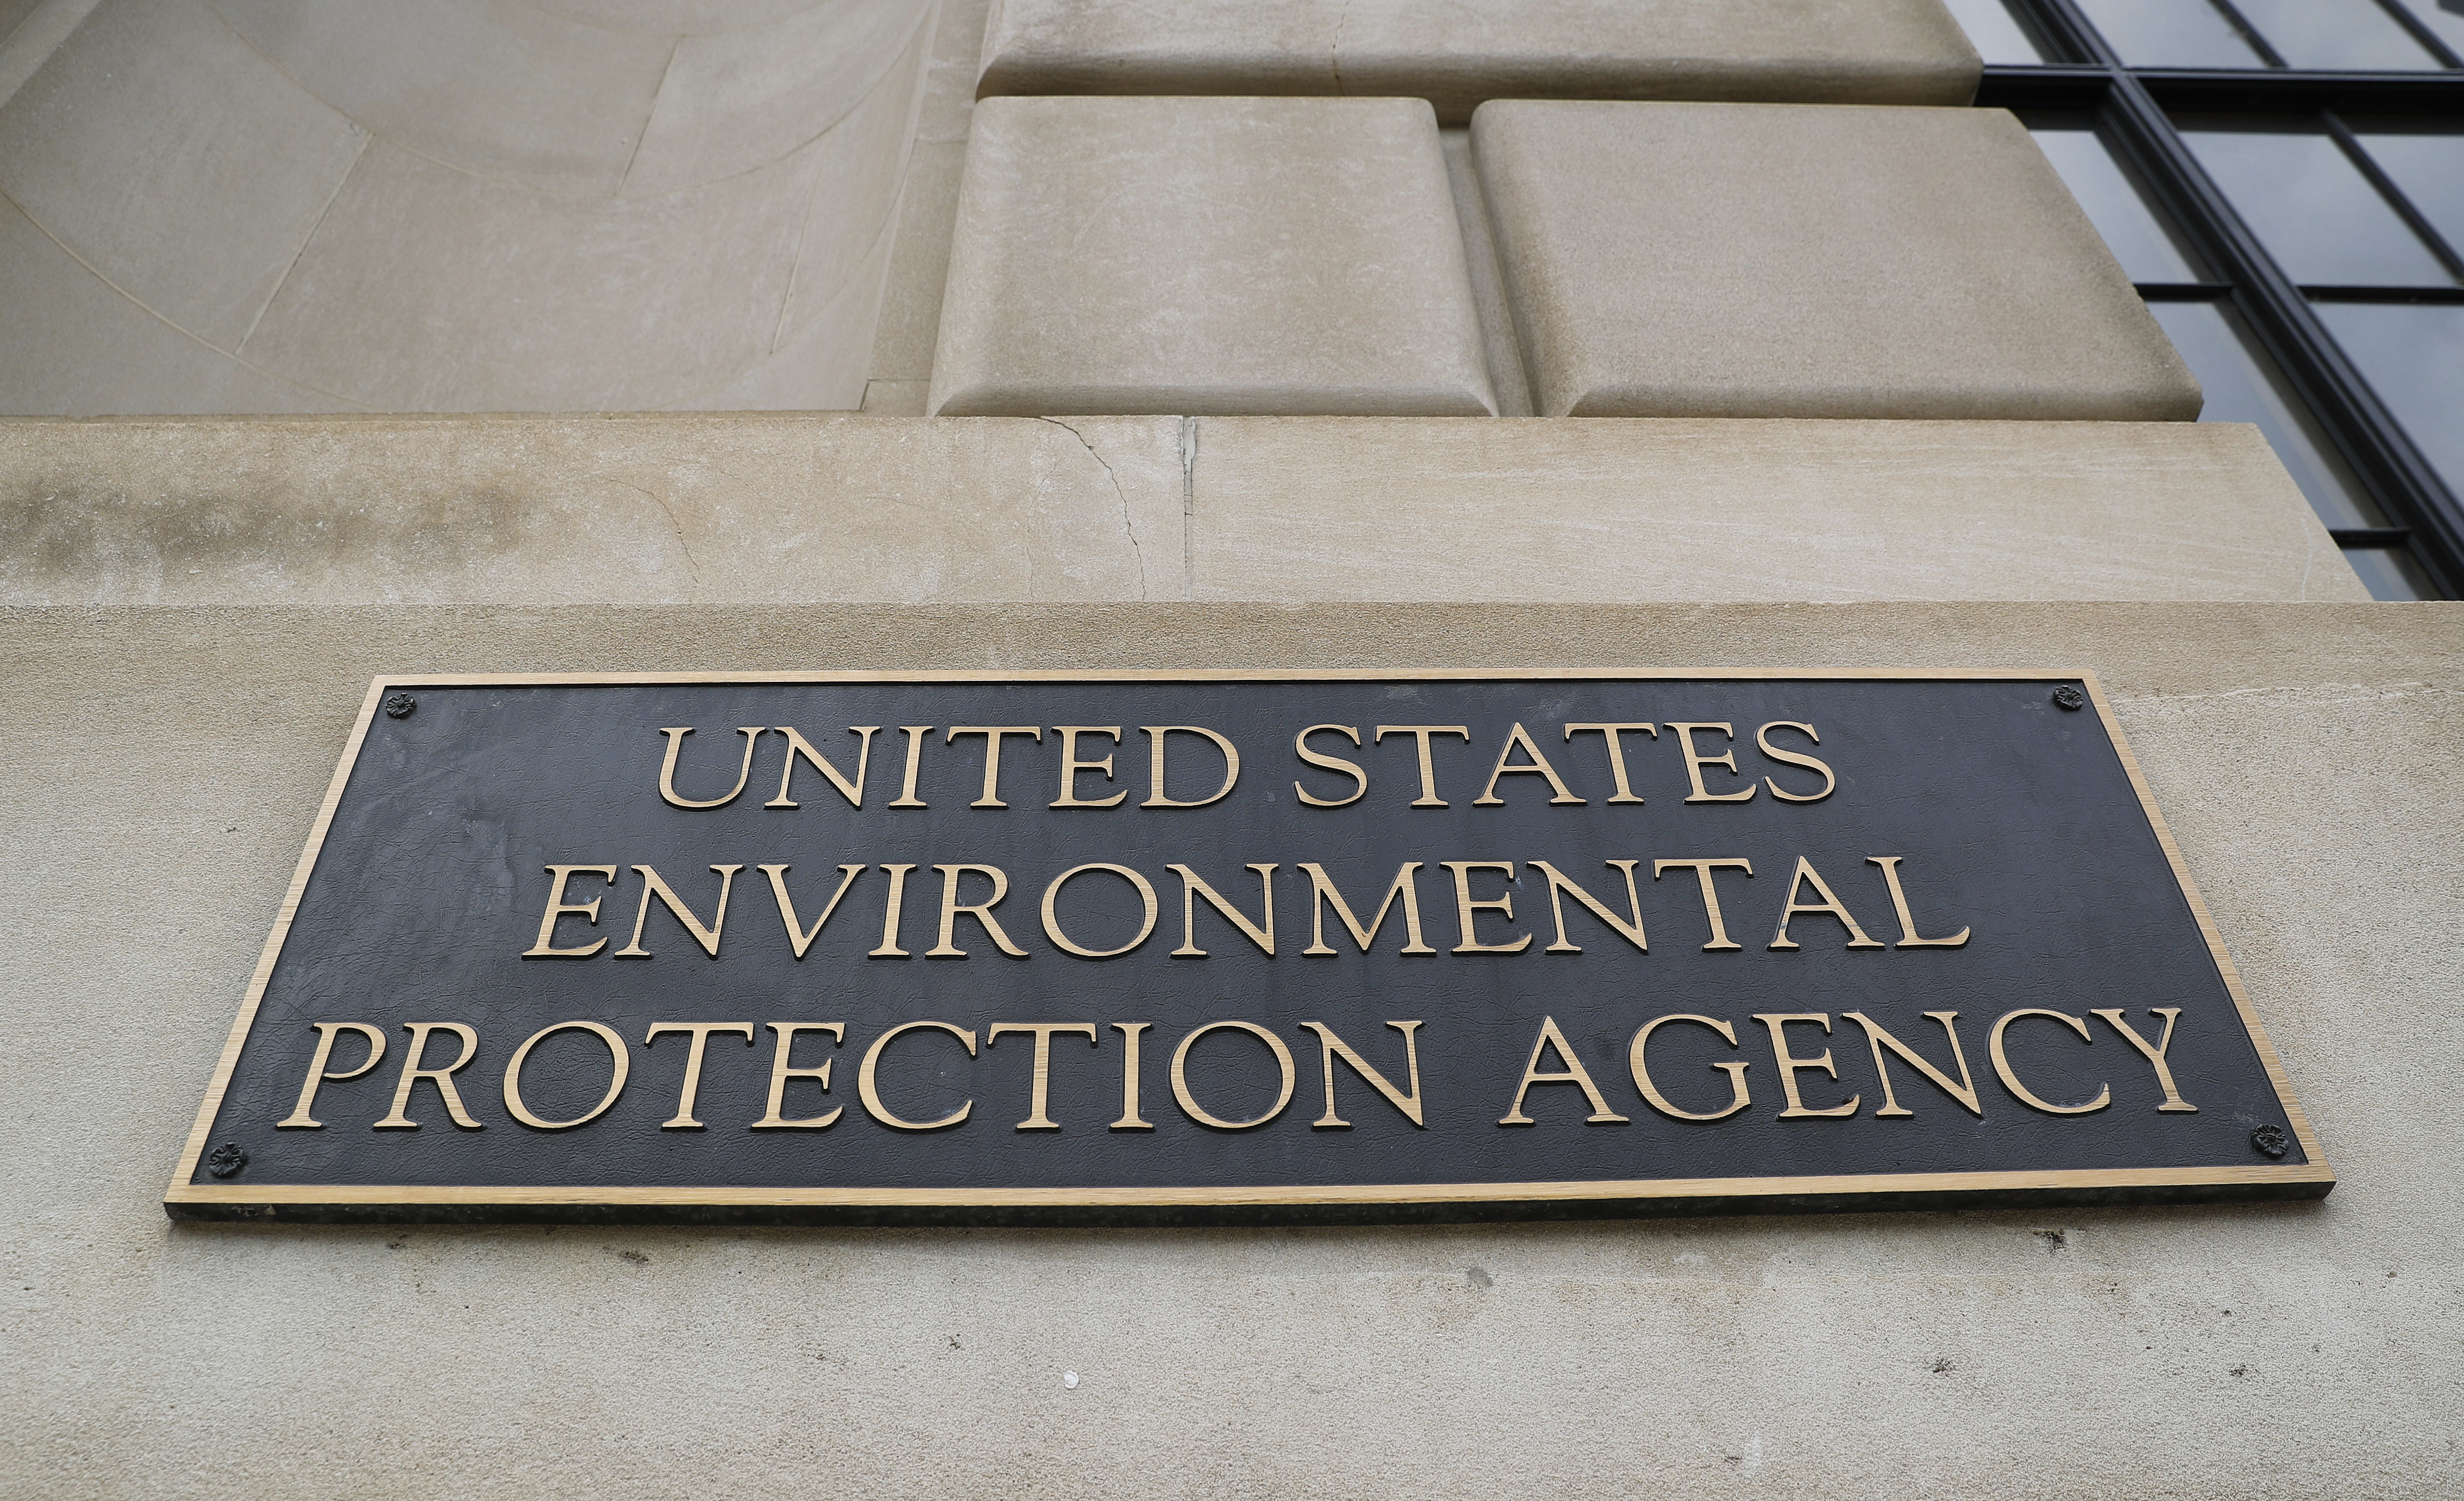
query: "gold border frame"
182, 1191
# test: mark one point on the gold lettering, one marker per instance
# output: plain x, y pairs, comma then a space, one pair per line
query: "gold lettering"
2011, 1080
1560, 883
668, 772
796, 934
1539, 766
1157, 798
558, 906
1064, 941
1702, 869
1790, 1063
1908, 937
443, 1078
1329, 1046
699, 1031
1071, 766
1467, 909
1041, 1095
773, 1118
1351, 768
653, 887
914, 735
889, 912
1131, 1120
1190, 1106
1762, 739
2154, 1053
1738, 1097
1617, 752
799, 745
1696, 760
299, 1118
1830, 903
1322, 891
1421, 734
622, 1064
1964, 1091
981, 911
865, 1083
1573, 1073
992, 734
1193, 886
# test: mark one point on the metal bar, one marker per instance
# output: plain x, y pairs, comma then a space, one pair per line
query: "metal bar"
2016, 88
2273, 92
2370, 537
2394, 194
2432, 296
2183, 290
2429, 40
2258, 43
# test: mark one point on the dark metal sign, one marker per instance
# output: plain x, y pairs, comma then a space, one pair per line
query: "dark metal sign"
1049, 946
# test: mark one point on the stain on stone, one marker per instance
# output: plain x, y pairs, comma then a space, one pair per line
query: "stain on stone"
1942, 1365
107, 541
1480, 1280
634, 1256
2054, 1240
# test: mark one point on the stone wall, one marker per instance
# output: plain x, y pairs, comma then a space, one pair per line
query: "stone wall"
164, 766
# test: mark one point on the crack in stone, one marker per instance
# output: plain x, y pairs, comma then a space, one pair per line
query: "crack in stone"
1128, 526
1189, 508
692, 564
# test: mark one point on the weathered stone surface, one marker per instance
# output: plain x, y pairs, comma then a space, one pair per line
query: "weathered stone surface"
613, 511
1710, 509
1870, 51
654, 509
1773, 260
1215, 255
163, 152
164, 766
455, 205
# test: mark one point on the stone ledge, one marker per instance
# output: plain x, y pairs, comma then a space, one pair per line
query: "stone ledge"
1878, 51
764, 509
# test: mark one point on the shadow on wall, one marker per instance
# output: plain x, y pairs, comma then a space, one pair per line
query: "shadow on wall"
447, 206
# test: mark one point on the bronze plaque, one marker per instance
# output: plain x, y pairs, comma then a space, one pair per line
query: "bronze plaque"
1046, 947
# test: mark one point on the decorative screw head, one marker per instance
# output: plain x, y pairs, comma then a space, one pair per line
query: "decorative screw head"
225, 1160
2068, 696
398, 705
2271, 1141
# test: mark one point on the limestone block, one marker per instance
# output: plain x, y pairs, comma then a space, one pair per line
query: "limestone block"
1213, 256
496, 87
949, 91
180, 164
730, 102
919, 267
428, 289
1690, 508
1455, 55
71, 345
826, 347
671, 18
644, 509
1768, 260
858, 166
629, 511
